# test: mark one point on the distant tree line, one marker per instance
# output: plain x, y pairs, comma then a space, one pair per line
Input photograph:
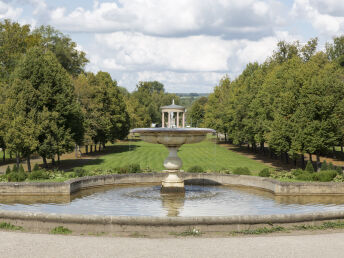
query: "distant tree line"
293, 102
49, 104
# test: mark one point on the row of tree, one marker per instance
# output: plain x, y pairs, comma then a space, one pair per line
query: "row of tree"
49, 104
294, 101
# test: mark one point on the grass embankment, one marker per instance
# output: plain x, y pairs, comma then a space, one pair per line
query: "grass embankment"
208, 155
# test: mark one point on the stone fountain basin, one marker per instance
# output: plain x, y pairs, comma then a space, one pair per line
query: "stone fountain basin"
172, 136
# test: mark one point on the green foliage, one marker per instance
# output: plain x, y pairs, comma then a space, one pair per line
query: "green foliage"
16, 176
38, 175
196, 114
325, 175
61, 230
264, 172
79, 172
241, 171
306, 176
21, 168
14, 168
196, 169
297, 172
259, 231
330, 166
36, 167
9, 226
309, 167
324, 165
131, 168
8, 170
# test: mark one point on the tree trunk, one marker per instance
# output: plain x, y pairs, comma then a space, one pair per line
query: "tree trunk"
4, 155
58, 158
28, 163
271, 153
103, 146
318, 161
225, 138
248, 146
303, 160
76, 151
262, 147
17, 159
334, 151
10, 154
45, 161
100, 147
254, 147
310, 157
91, 148
53, 161
341, 148
286, 157
86, 149
295, 160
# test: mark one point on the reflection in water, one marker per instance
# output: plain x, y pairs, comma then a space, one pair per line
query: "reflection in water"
146, 200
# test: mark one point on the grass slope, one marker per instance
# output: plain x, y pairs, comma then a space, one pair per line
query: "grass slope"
207, 154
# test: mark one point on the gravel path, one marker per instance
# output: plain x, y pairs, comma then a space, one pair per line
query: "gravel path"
44, 245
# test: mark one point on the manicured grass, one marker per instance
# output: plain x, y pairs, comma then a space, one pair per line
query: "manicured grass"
206, 154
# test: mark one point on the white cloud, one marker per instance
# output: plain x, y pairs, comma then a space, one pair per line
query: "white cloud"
231, 18
326, 16
9, 12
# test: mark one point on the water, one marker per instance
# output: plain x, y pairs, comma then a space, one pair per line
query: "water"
197, 201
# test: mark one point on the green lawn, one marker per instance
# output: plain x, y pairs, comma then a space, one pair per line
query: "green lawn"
206, 154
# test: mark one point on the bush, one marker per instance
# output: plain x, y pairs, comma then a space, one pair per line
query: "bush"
324, 165
14, 168
339, 170
242, 171
21, 168
80, 172
36, 167
195, 169
8, 170
325, 176
132, 168
38, 174
309, 167
16, 176
330, 166
306, 176
297, 172
264, 172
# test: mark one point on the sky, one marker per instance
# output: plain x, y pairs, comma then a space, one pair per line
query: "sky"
188, 45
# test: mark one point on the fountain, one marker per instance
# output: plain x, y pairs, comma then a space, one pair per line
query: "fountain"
173, 137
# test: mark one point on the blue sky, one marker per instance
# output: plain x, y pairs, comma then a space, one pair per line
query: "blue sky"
186, 44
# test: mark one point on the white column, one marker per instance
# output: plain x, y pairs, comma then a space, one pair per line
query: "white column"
183, 122
163, 120
177, 119
169, 120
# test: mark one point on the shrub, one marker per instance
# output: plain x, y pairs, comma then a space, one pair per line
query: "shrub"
306, 176
297, 172
21, 168
325, 176
134, 168
242, 171
339, 170
330, 166
324, 165
16, 176
36, 167
38, 174
8, 170
14, 168
80, 172
309, 167
195, 169
264, 172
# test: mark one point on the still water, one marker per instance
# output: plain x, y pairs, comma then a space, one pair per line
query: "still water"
197, 201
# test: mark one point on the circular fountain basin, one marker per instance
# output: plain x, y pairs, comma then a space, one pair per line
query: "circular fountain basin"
172, 136
146, 200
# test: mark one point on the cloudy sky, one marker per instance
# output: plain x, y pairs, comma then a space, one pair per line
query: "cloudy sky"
186, 44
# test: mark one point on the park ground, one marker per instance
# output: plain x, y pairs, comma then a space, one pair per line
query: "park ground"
46, 245
209, 155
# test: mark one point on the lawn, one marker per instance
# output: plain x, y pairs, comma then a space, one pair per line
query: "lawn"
207, 154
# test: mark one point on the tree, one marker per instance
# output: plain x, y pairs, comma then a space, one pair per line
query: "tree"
64, 49
54, 102
197, 111
335, 51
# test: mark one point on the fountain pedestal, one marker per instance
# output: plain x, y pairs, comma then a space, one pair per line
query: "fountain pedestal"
172, 183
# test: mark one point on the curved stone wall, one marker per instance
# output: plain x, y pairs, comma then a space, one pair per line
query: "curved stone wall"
74, 185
